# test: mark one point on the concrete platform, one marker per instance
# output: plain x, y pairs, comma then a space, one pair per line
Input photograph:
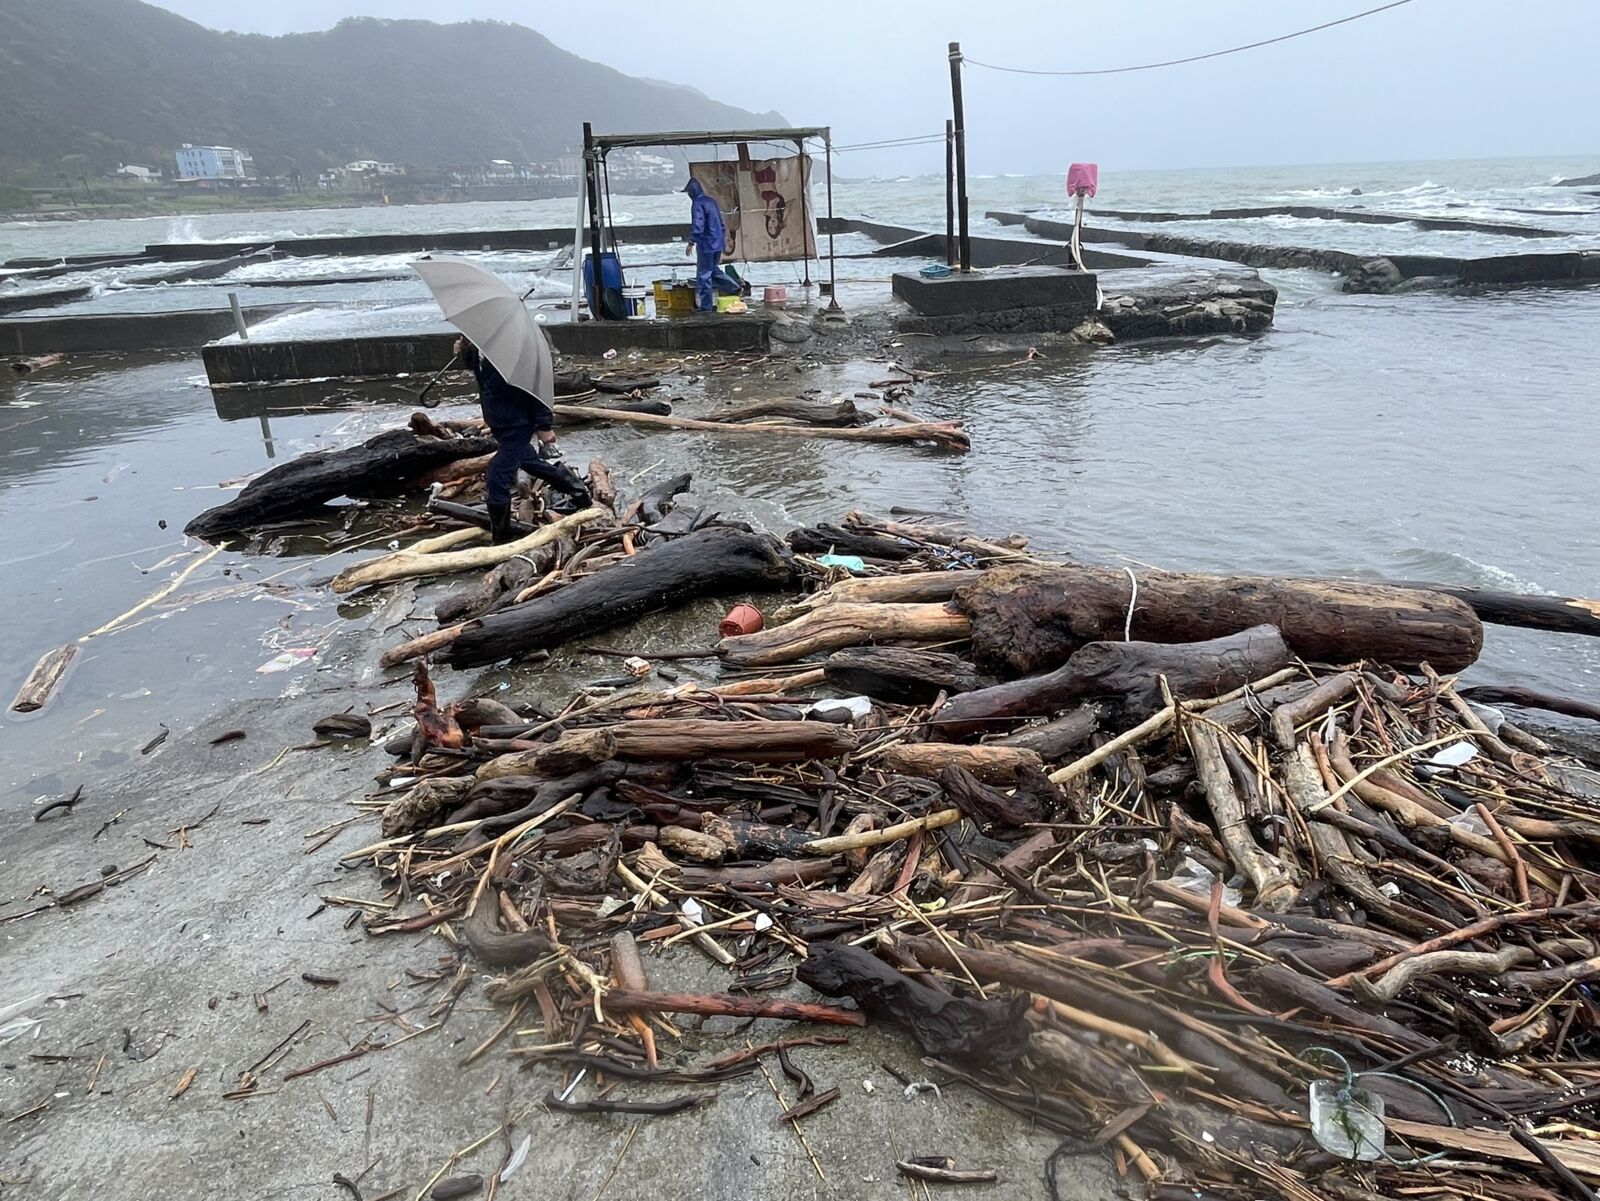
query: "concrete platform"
232, 362
997, 291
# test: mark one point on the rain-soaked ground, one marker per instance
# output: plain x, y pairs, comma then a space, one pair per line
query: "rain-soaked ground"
1425, 436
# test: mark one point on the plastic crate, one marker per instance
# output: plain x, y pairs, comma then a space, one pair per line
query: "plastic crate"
674, 300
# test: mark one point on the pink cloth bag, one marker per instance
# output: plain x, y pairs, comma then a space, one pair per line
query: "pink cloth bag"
1083, 177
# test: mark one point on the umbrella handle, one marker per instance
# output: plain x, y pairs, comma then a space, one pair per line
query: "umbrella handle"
422, 397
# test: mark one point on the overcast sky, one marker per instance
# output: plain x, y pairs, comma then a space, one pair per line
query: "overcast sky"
1431, 79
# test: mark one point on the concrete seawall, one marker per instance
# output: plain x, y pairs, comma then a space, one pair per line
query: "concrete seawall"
1562, 266
1318, 213
183, 330
233, 362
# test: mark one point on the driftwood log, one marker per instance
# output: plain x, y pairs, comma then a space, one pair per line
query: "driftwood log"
44, 679
837, 626
836, 540
657, 740
1052, 740
992, 764
1030, 619
656, 501
915, 587
1133, 671
1558, 614
901, 675
707, 563
578, 414
379, 466
947, 435
1528, 698
805, 412
511, 576
453, 552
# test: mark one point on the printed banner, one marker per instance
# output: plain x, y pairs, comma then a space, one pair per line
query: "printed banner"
766, 206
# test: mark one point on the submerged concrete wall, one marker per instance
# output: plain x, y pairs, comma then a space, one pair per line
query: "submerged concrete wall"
185, 330
1537, 268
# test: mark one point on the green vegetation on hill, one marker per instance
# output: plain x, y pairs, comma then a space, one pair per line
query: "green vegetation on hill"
120, 81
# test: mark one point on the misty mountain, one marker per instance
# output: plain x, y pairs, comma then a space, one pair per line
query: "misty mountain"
120, 81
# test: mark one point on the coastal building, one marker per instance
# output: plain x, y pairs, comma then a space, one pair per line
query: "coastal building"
367, 166
136, 173
213, 162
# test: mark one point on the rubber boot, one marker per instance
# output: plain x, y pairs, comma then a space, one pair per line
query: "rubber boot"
500, 525
574, 493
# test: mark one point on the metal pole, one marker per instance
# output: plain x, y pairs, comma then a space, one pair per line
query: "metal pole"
949, 193
591, 171
960, 126
577, 252
833, 281
805, 226
238, 317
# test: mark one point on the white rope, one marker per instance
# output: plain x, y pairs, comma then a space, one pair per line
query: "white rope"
1077, 257
1127, 625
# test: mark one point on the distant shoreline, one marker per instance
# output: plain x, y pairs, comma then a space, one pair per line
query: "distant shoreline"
205, 205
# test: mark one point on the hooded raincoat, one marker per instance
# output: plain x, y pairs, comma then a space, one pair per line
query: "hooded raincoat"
710, 239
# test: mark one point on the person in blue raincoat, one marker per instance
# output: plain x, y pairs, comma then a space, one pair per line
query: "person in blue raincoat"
708, 239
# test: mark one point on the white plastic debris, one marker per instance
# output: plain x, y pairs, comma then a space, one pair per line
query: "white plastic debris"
1347, 1121
1454, 755
762, 922
856, 707
13, 1020
517, 1156
1469, 821
288, 659
918, 1087
866, 1086
692, 913
1194, 876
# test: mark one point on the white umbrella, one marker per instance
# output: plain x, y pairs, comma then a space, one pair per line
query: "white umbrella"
494, 319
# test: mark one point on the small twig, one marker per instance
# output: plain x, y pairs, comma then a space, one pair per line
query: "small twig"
617, 1163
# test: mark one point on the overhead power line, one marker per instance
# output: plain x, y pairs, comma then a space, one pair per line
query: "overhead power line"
914, 140
1194, 58
895, 143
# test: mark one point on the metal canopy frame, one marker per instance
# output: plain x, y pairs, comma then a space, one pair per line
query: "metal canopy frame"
719, 137
597, 145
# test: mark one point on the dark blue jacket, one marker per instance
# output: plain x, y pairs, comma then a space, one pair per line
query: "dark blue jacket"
705, 220
505, 405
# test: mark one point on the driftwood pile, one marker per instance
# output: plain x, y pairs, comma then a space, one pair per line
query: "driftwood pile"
1177, 866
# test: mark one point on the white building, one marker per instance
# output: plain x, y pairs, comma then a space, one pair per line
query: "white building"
137, 173
214, 162
367, 166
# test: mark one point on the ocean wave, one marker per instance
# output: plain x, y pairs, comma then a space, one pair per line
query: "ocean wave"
1453, 567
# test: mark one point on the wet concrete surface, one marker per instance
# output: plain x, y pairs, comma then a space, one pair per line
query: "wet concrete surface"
161, 973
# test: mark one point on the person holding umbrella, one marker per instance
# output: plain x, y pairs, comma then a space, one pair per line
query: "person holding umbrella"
514, 417
510, 358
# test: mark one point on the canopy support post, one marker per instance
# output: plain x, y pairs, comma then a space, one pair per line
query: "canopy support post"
591, 172
833, 281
